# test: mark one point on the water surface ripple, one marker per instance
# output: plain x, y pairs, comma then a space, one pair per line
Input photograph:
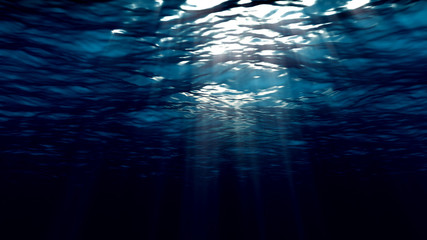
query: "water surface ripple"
261, 94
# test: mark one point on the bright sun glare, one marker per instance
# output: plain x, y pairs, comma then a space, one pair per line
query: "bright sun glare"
230, 34
237, 33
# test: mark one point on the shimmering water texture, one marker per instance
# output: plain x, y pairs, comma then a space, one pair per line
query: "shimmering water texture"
263, 119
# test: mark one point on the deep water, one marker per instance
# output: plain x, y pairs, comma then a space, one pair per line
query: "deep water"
150, 119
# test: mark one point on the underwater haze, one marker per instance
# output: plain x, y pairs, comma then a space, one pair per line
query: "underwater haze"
213, 120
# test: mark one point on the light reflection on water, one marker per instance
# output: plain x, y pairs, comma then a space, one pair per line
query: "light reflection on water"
196, 119
244, 45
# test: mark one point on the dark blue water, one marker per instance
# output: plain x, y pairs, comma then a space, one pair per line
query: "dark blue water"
144, 119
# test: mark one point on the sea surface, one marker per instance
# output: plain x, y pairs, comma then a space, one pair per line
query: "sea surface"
213, 120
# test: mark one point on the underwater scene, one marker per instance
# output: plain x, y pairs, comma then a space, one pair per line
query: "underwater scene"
213, 119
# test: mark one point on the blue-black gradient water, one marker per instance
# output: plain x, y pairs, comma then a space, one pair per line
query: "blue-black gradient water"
193, 120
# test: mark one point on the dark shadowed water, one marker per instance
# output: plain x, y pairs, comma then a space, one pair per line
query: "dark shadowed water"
213, 120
